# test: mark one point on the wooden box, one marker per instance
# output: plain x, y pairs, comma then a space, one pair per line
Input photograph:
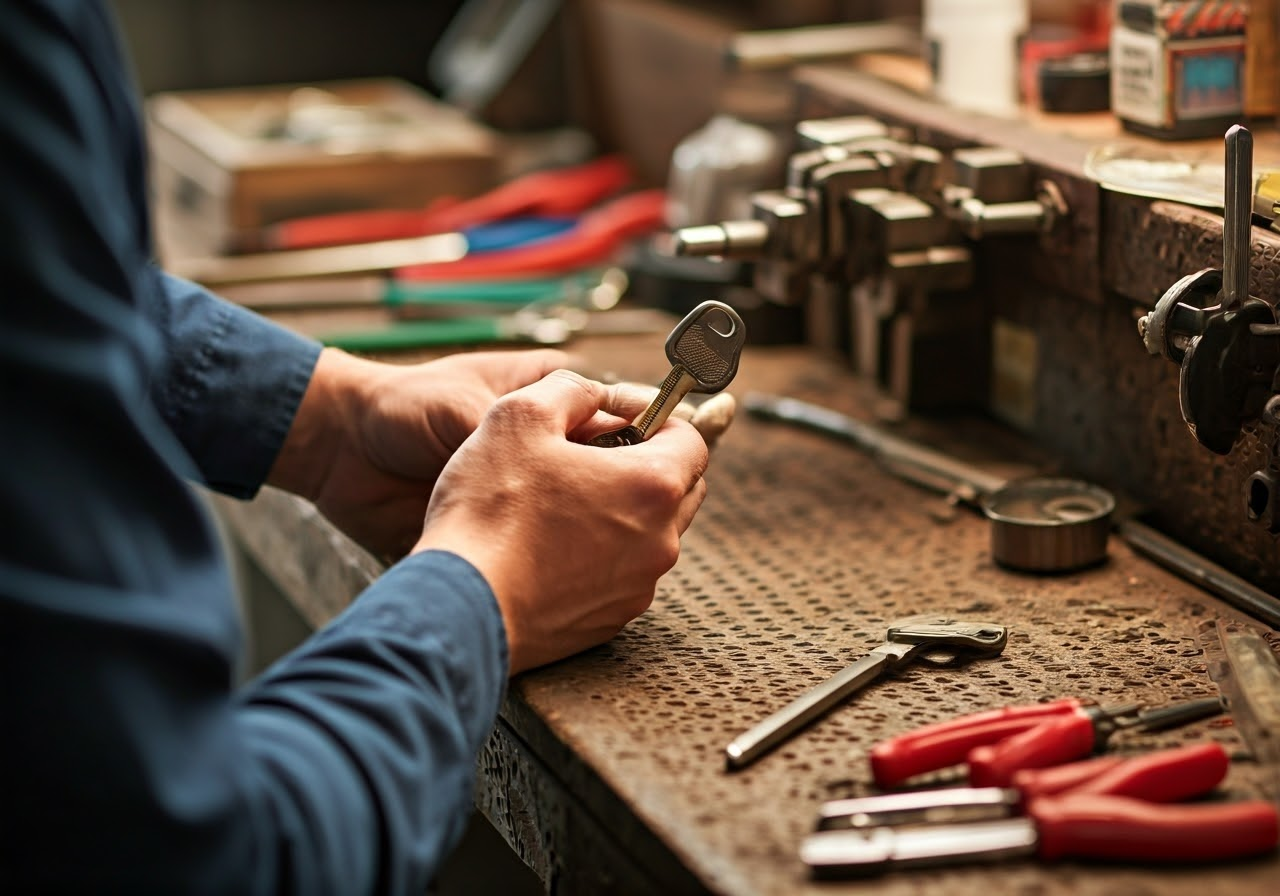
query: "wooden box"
227, 163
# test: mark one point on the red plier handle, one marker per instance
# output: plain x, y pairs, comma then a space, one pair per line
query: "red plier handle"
551, 193
948, 743
1085, 825
1163, 776
595, 239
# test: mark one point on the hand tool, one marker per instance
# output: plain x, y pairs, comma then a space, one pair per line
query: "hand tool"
906, 640
703, 350
1164, 776
997, 743
554, 193
536, 325
964, 483
594, 241
297, 264
596, 288
1253, 694
1092, 821
355, 257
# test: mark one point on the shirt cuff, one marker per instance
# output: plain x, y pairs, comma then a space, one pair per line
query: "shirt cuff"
233, 387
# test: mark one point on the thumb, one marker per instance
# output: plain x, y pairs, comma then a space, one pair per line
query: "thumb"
562, 399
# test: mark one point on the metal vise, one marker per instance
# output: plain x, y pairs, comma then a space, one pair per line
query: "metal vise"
1225, 341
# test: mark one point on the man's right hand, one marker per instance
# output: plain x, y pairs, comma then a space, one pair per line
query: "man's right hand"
572, 538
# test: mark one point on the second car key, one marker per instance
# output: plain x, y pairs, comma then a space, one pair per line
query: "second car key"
703, 350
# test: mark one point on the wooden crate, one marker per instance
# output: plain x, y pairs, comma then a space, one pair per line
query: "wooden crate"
227, 163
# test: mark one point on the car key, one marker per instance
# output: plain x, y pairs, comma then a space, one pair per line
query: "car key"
703, 350
906, 640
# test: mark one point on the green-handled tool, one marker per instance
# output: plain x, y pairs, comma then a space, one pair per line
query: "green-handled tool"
412, 334
597, 288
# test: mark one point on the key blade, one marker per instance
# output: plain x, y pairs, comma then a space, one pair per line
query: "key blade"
833, 854
708, 343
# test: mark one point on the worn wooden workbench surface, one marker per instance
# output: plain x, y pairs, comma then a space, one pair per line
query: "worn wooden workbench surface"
606, 771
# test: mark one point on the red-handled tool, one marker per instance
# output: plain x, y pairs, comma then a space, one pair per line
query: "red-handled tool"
1121, 812
948, 743
594, 241
998, 743
1072, 826
550, 193
1106, 827
1160, 777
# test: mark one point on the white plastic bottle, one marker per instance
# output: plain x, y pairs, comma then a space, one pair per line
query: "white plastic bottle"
973, 48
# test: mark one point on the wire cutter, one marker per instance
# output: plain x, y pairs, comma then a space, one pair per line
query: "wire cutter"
997, 743
1103, 812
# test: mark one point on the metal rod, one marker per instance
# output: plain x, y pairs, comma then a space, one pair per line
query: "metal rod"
1237, 218
1195, 568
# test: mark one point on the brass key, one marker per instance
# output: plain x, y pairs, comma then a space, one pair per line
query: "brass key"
703, 350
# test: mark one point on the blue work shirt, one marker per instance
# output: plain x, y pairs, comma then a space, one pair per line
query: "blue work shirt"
129, 760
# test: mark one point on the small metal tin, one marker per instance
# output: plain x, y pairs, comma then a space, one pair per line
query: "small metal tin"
1049, 525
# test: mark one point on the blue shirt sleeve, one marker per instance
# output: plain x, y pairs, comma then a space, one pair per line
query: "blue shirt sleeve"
129, 761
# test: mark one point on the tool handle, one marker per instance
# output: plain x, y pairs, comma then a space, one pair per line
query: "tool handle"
1053, 742
597, 237
1164, 776
562, 191
1033, 783
1116, 827
943, 744
419, 334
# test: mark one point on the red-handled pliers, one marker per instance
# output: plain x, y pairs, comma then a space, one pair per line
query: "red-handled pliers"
552, 193
997, 743
1160, 777
1109, 815
593, 241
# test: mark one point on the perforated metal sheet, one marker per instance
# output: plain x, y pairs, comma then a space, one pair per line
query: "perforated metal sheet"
802, 555
607, 772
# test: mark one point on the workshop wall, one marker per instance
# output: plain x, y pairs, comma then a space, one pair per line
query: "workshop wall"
197, 44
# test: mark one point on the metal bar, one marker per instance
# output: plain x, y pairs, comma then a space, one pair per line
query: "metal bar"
1237, 218
812, 704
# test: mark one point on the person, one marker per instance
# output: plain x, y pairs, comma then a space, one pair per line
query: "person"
130, 761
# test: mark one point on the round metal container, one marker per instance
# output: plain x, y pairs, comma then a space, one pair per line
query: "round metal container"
1049, 525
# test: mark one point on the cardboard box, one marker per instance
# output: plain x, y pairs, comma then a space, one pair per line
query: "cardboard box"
227, 163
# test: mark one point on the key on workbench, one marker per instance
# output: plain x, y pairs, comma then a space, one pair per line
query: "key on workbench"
906, 640
703, 350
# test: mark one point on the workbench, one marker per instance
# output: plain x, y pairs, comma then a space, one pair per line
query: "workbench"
606, 771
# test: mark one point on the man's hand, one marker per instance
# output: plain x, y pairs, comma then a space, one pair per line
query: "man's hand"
572, 538
370, 439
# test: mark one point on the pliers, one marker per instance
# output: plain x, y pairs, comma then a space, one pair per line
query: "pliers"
999, 742
594, 240
554, 193
1083, 810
